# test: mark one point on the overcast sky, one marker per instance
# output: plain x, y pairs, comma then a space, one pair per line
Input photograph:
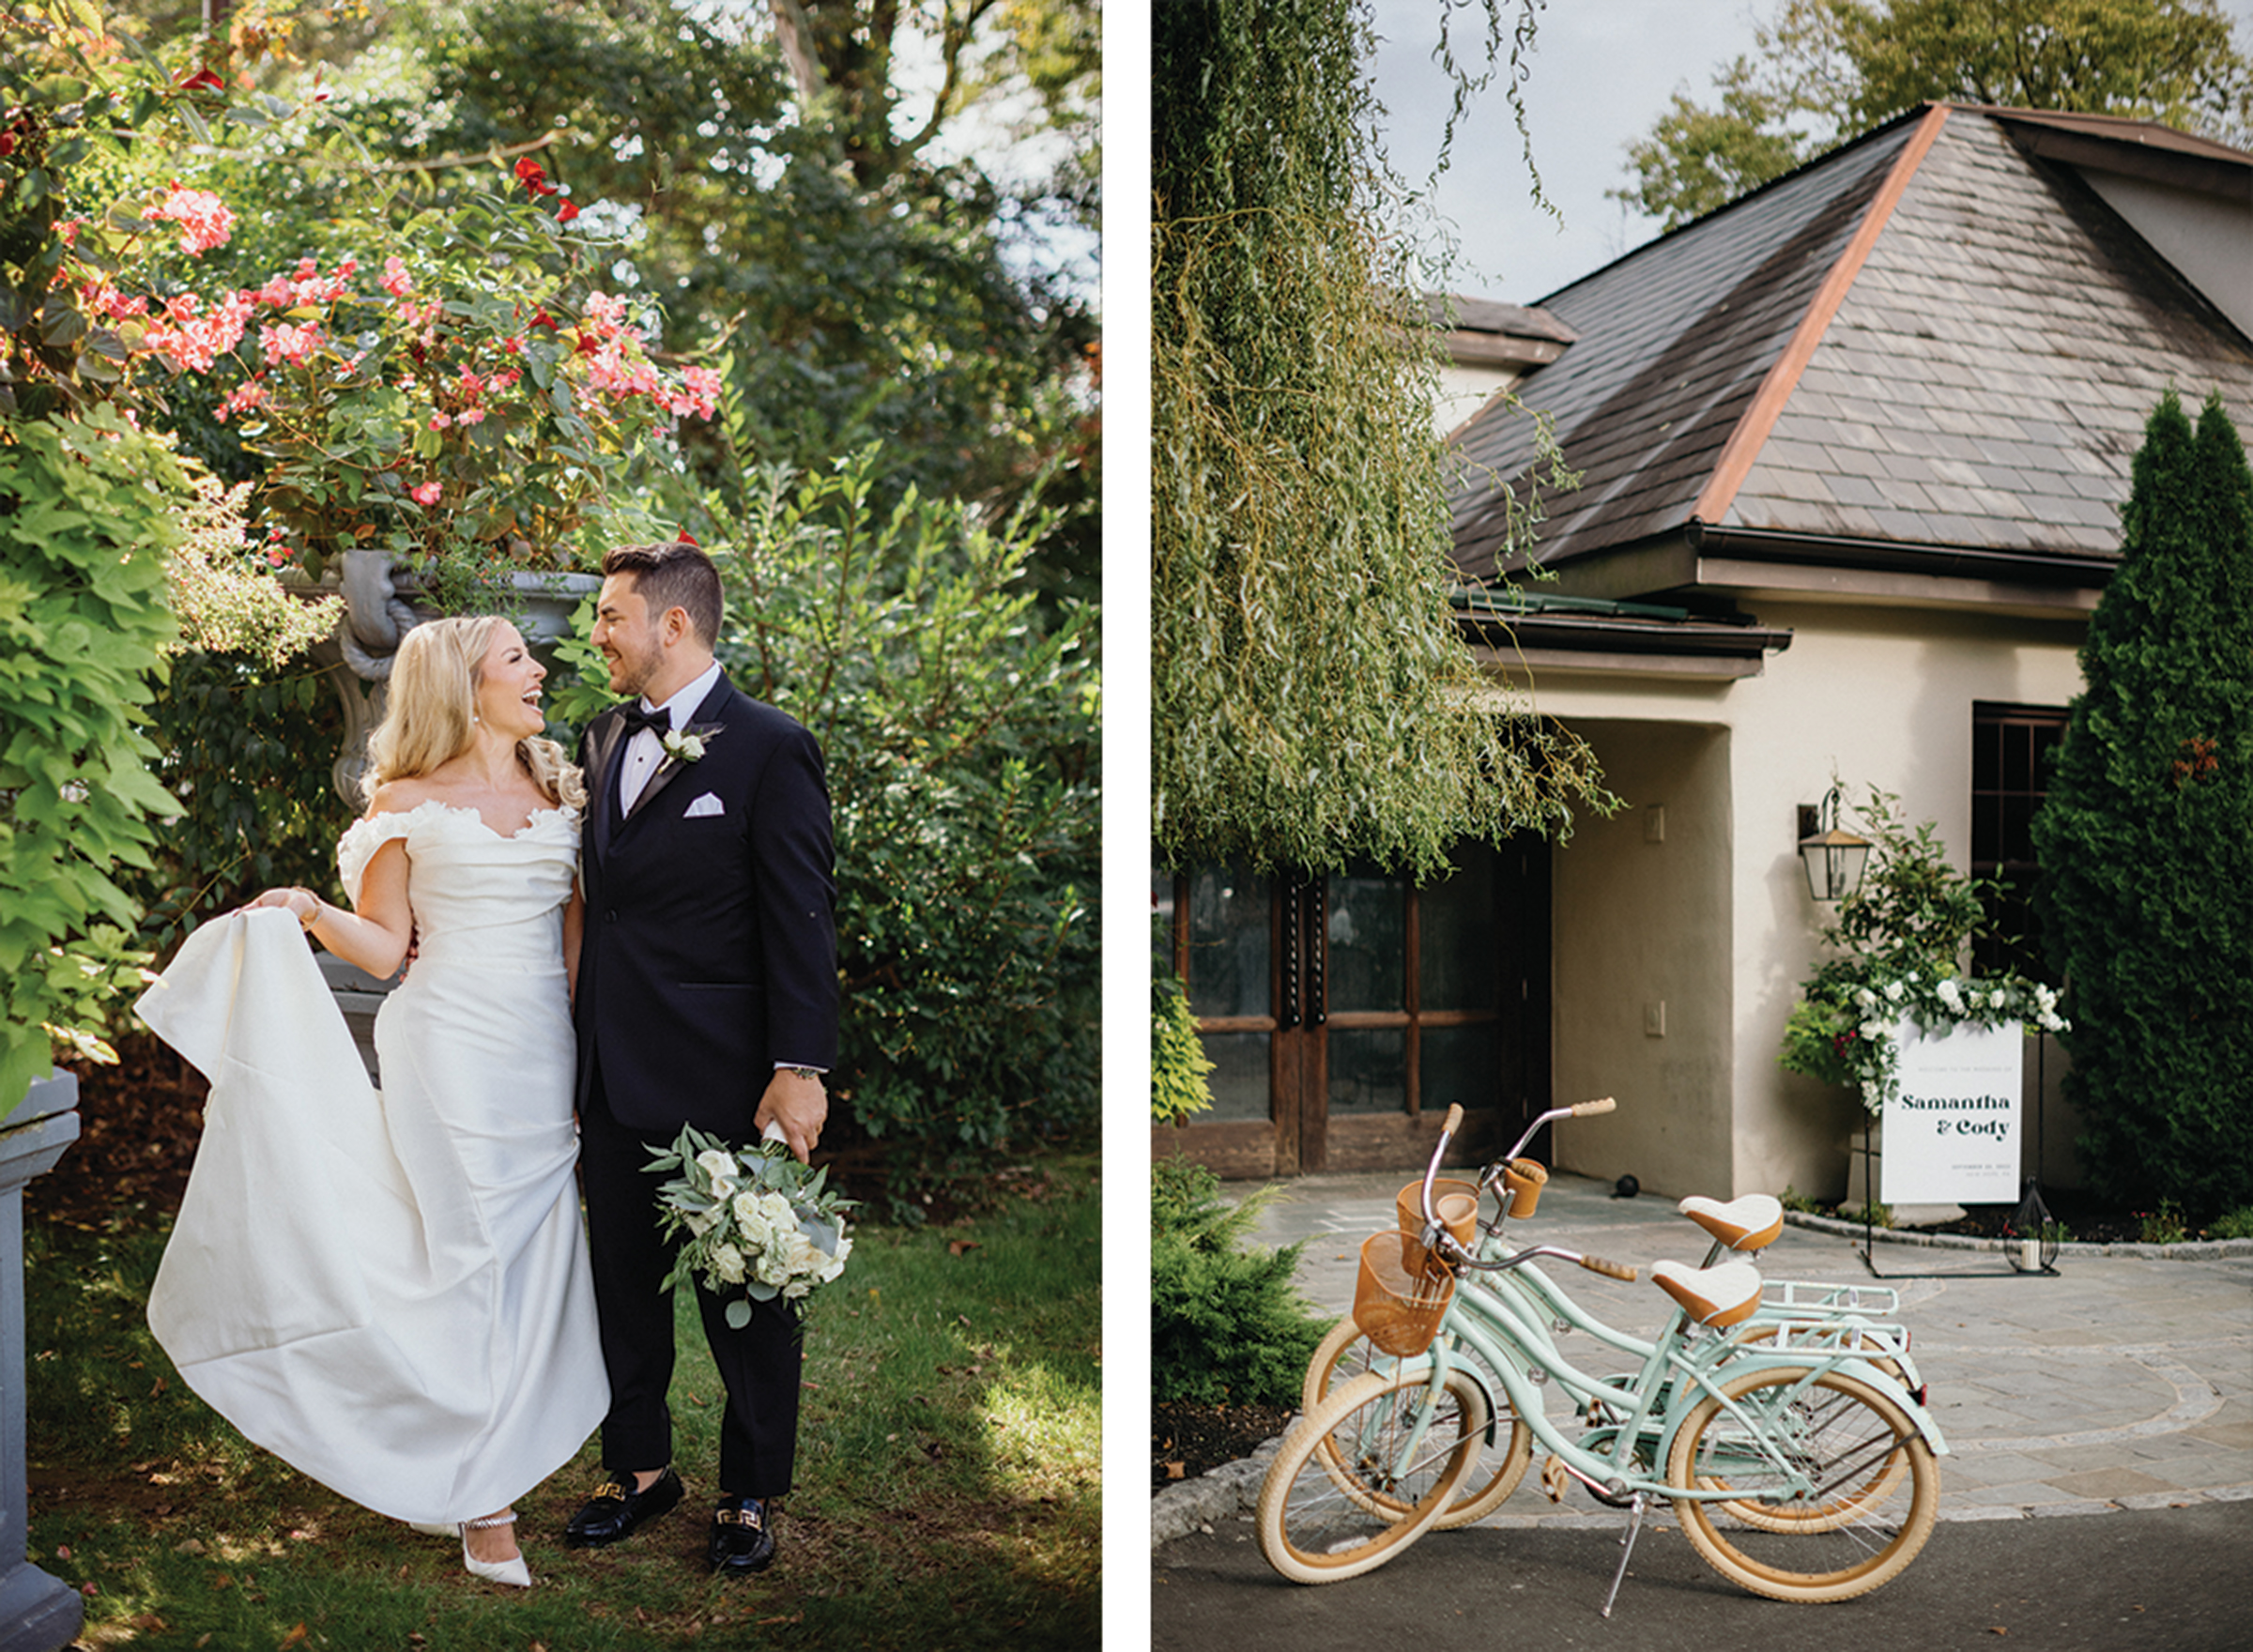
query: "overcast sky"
1602, 73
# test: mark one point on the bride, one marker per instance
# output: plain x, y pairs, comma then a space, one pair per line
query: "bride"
389, 1290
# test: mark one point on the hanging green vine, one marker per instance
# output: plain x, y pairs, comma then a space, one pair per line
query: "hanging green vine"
1312, 701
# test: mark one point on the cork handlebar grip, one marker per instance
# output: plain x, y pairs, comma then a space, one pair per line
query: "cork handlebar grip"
1586, 1108
1610, 1270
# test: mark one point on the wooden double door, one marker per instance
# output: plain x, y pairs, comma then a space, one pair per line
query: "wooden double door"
1345, 1013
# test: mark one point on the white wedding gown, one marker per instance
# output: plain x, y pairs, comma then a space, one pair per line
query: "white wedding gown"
390, 1290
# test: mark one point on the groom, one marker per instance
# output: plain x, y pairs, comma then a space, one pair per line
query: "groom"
707, 995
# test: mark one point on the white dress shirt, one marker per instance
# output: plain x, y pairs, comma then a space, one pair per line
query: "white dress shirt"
644, 751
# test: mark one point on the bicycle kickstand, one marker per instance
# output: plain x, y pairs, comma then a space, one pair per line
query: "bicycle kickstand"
1627, 1547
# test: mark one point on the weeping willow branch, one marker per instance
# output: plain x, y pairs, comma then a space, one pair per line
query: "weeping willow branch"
1312, 701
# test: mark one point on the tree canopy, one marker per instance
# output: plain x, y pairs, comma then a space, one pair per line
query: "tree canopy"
1827, 70
883, 213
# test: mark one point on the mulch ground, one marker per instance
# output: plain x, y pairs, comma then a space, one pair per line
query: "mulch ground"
1188, 1440
2086, 1220
138, 1124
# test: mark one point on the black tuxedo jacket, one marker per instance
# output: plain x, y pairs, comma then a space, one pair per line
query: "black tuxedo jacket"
710, 949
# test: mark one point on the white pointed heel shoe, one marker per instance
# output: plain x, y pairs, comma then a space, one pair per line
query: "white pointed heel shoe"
512, 1572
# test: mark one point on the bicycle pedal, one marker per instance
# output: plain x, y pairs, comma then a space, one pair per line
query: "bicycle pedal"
1554, 1479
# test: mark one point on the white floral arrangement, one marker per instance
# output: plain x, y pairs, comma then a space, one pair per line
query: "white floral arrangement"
1935, 1005
751, 1219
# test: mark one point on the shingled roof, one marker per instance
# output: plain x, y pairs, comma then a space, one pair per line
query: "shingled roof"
1931, 347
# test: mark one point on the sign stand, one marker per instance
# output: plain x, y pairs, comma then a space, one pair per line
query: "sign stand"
1950, 1107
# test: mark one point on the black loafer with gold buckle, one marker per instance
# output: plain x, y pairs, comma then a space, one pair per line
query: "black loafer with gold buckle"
742, 1535
617, 1511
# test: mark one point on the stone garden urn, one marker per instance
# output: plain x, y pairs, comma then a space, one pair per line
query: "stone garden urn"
38, 1613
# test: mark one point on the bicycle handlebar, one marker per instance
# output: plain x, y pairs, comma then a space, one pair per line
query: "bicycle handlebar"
1439, 1151
1579, 1109
1610, 1270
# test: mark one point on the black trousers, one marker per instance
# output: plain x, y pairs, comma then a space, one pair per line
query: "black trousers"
758, 1365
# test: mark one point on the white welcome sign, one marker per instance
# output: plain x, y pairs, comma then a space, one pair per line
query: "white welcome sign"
1951, 1132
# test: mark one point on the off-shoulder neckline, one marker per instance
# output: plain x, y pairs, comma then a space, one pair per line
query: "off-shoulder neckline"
446, 808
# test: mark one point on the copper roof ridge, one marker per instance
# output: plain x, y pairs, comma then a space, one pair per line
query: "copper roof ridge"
2138, 130
1767, 406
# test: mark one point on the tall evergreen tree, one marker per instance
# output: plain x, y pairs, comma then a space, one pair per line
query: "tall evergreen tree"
2146, 842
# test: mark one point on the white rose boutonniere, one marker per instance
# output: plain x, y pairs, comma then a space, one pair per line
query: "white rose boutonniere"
680, 747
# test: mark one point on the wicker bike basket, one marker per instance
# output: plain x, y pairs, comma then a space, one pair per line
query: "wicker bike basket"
1456, 1203
1402, 1296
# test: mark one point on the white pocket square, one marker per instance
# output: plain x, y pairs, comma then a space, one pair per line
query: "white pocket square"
708, 804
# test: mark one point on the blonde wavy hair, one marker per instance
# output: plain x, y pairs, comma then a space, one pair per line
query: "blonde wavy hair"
435, 678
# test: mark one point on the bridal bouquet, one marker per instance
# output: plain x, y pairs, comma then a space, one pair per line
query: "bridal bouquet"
753, 1218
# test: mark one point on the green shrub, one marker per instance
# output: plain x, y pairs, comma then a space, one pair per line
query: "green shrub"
2235, 1224
2145, 842
85, 519
1228, 1324
1177, 1061
246, 747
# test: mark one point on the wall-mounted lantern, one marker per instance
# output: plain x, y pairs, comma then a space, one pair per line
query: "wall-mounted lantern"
1834, 857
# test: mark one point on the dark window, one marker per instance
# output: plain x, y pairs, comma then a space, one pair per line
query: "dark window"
2011, 751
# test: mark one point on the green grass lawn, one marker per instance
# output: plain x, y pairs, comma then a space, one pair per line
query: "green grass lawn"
947, 1488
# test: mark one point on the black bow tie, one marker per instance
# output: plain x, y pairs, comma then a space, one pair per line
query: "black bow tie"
635, 719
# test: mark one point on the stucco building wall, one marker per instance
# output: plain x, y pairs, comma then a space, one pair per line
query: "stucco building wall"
1711, 918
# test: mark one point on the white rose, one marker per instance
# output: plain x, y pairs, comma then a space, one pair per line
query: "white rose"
728, 1263
1892, 992
804, 1256
721, 1167
1948, 995
751, 1224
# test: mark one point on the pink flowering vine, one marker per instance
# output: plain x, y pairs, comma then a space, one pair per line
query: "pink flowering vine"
204, 219
402, 408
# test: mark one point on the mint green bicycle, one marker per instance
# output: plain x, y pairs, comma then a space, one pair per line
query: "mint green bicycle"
1785, 1423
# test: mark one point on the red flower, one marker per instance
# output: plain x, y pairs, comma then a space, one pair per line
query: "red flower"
565, 213
203, 80
686, 537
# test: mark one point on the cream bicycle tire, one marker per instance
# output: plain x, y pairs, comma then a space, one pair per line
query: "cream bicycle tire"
1335, 1363
1855, 1543
1315, 1522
